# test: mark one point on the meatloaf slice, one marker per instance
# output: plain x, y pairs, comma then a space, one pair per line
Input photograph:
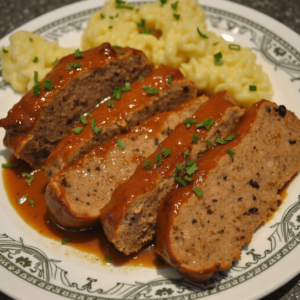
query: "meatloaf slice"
162, 90
199, 235
76, 195
129, 219
77, 83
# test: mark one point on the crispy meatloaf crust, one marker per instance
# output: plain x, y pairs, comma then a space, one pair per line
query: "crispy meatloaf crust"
199, 235
38, 122
129, 219
76, 195
162, 90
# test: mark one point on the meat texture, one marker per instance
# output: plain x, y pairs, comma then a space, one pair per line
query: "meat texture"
199, 235
76, 195
129, 219
162, 90
78, 82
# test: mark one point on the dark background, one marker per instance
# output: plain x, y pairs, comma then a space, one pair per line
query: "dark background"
14, 13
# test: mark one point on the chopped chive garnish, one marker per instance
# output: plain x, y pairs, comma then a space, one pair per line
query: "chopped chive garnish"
93, 124
110, 27
142, 24
218, 56
201, 34
117, 93
31, 39
48, 84
83, 120
189, 121
42, 167
191, 163
158, 159
117, 47
121, 52
9, 165
127, 87
27, 175
182, 182
76, 65
189, 179
220, 141
89, 114
200, 154
35, 60
22, 199
195, 138
178, 168
230, 152
198, 192
176, 16
4, 50
55, 62
36, 90
77, 129
166, 152
215, 44
234, 47
252, 88
238, 133
219, 62
207, 123
174, 5
68, 67
141, 79
230, 138
150, 90
147, 164
146, 31
120, 144
169, 79
111, 103
30, 180
65, 240
186, 153
102, 16
163, 2
95, 128
107, 259
36, 77
78, 54
119, 6
31, 202
191, 169
211, 143
111, 17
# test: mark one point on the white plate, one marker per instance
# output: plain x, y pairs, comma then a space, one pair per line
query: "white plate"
271, 259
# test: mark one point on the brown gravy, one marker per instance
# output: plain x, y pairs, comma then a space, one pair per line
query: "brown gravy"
91, 241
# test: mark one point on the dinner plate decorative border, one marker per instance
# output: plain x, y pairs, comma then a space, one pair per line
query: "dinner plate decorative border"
33, 265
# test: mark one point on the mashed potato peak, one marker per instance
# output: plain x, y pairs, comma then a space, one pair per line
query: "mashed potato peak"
179, 40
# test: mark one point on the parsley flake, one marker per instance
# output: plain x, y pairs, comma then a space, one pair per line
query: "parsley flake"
127, 87
195, 138
35, 60
83, 120
55, 62
212, 143
48, 84
120, 144
230, 152
178, 168
234, 47
169, 79
78, 54
163, 2
186, 153
198, 192
174, 5
31, 202
9, 165
107, 259
150, 90
166, 152
65, 240
252, 88
76, 65
207, 123
189, 121
102, 16
189, 179
201, 34
77, 129
142, 23
117, 93
141, 79
158, 159
182, 182
111, 103
4, 50
191, 167
176, 16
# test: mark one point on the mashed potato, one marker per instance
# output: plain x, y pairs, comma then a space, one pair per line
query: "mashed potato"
27, 53
172, 33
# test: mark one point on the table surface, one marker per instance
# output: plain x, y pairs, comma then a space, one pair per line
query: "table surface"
14, 13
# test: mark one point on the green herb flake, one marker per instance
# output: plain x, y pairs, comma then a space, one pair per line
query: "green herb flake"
150, 90
146, 31
163, 2
65, 240
31, 202
36, 90
252, 88
195, 138
120, 6
110, 27
169, 79
36, 77
48, 84
182, 182
29, 181
127, 87
176, 16
219, 62
78, 54
121, 52
55, 62
22, 199
215, 44
189, 179
212, 143
4, 50
158, 159
68, 67
27, 175
102, 16
83, 120
234, 47
200, 155
117, 93
186, 153
142, 23
166, 152
191, 169
218, 56
230, 152
207, 123
31, 40
76, 65
174, 5
107, 259
117, 47
198, 192
220, 141
35, 60
230, 138
189, 121
9, 165
201, 34
178, 168
120, 144
238, 133
89, 114
147, 165
111, 103
97, 130
42, 167
77, 129
141, 79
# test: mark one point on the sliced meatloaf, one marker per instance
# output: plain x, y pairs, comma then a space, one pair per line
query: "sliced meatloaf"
202, 227
162, 90
77, 83
76, 195
129, 219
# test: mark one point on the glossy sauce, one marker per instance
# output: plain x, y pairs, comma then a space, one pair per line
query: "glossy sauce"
91, 241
